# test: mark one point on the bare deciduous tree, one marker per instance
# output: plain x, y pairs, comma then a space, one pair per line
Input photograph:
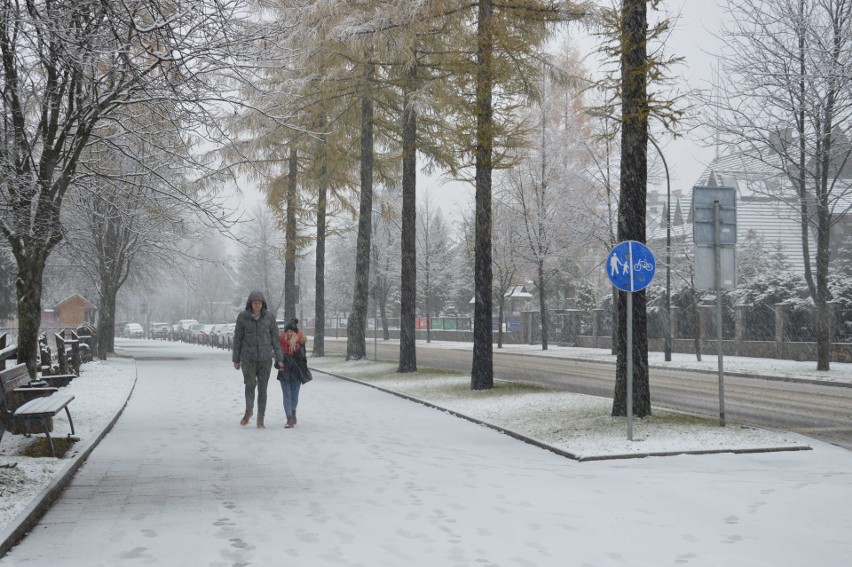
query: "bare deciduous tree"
787, 103
68, 67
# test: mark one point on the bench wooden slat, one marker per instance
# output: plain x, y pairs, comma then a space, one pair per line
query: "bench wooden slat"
27, 393
15, 376
49, 405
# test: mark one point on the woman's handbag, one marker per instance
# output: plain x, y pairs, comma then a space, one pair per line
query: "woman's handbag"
302, 362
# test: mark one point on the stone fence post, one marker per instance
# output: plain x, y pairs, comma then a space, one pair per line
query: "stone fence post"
675, 317
708, 321
740, 311
781, 310
832, 326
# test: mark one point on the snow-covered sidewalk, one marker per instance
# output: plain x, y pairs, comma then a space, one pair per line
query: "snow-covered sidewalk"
367, 478
100, 393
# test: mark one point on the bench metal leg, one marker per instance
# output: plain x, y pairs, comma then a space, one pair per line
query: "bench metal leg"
70, 422
47, 434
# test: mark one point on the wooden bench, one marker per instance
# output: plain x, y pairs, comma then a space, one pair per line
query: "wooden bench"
68, 353
21, 378
19, 388
22, 403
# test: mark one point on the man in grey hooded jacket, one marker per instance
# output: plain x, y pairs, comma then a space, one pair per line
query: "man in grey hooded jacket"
256, 344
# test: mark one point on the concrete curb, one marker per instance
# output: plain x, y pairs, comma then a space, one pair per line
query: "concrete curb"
551, 448
30, 516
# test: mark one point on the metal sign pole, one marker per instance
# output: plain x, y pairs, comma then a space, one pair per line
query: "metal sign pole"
717, 221
630, 366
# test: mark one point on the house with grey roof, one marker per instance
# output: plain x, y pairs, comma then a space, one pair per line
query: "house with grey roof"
767, 206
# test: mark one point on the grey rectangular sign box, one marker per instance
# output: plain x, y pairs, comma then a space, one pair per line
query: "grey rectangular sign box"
703, 204
705, 271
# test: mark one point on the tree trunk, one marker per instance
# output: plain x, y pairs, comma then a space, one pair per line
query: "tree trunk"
542, 303
290, 235
822, 327
319, 283
106, 322
356, 343
428, 309
383, 313
631, 207
500, 302
408, 280
482, 370
28, 287
542, 203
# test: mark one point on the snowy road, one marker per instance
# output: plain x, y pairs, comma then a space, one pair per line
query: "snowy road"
370, 479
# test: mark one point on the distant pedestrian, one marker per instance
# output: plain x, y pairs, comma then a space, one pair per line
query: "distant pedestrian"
295, 370
256, 344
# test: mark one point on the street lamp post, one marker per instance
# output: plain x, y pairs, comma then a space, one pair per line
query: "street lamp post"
668, 338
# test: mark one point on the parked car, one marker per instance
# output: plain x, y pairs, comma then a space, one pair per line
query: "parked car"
193, 333
216, 335
133, 331
183, 329
204, 333
160, 330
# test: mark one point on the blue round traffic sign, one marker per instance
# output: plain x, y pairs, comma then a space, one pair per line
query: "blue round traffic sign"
631, 266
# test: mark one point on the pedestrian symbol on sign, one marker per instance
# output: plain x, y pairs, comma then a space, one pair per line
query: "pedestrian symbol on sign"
617, 266
631, 266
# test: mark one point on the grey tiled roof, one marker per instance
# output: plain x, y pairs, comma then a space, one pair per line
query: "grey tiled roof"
766, 205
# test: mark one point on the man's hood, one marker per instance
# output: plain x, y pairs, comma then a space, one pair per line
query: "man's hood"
253, 296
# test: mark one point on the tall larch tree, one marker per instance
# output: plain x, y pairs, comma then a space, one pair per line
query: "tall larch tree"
505, 42
629, 34
631, 205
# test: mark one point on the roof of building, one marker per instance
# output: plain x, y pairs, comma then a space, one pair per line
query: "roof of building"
766, 205
75, 297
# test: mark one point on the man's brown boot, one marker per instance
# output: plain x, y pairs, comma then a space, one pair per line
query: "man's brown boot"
246, 417
260, 422
294, 417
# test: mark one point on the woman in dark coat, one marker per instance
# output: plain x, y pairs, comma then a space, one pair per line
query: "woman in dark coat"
295, 371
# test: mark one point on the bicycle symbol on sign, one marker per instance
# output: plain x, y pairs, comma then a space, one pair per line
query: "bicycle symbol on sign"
642, 264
